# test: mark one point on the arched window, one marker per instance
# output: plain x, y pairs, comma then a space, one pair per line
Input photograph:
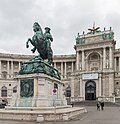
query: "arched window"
94, 56
4, 91
94, 62
15, 89
90, 84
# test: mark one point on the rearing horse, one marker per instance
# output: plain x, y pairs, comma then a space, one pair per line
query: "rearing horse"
41, 43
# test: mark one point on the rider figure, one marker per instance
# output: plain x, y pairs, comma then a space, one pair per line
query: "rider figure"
48, 38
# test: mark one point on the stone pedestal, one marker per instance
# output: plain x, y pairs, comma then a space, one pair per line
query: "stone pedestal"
36, 90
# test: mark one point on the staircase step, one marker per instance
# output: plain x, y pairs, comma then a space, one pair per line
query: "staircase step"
94, 103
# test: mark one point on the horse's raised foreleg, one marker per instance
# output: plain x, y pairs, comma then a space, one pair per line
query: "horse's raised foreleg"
27, 45
32, 42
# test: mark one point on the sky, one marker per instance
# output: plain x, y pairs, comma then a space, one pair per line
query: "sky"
65, 18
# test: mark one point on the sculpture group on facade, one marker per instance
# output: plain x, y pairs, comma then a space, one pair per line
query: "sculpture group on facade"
110, 35
81, 39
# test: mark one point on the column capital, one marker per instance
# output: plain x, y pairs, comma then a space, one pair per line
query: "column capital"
81, 50
77, 51
104, 47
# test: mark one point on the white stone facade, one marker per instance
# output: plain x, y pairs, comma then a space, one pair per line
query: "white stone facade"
92, 73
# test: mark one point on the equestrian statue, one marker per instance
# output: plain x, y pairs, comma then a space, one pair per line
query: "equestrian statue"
41, 42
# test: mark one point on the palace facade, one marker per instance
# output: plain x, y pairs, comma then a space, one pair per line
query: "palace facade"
93, 73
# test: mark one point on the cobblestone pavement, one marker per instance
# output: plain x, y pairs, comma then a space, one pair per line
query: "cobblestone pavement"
111, 115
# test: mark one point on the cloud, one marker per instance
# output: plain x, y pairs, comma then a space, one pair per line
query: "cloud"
65, 18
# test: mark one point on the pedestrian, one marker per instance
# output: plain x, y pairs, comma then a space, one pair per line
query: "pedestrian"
98, 106
102, 105
72, 104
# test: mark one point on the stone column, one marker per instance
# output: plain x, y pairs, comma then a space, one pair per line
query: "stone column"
81, 95
99, 86
119, 63
62, 70
83, 60
111, 85
87, 65
0, 69
110, 56
72, 67
54, 64
19, 66
115, 63
8, 69
104, 57
103, 87
77, 60
101, 63
83, 89
72, 87
65, 70
11, 68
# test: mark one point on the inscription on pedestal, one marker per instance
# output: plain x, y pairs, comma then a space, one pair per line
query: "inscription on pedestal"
27, 88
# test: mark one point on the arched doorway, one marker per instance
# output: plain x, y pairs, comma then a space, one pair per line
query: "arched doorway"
90, 90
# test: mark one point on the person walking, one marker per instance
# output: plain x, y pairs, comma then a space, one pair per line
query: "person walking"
98, 106
102, 105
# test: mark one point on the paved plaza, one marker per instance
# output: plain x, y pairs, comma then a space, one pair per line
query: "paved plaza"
111, 115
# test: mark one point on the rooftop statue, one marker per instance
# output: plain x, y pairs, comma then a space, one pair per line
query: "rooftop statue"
94, 29
111, 33
80, 39
41, 42
106, 35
